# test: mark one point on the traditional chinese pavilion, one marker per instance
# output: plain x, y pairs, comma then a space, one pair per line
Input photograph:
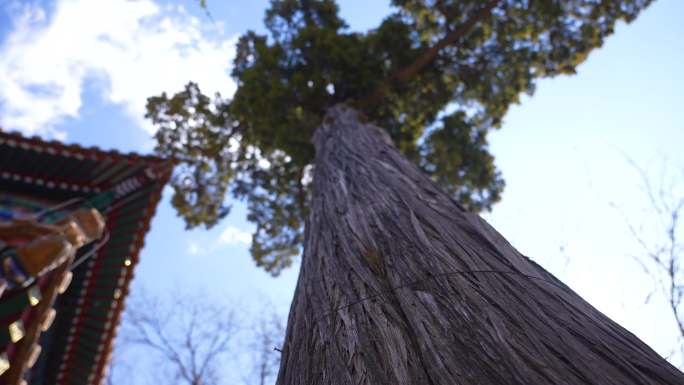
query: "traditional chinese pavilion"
59, 313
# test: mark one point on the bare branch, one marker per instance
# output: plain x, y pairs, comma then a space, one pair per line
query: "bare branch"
267, 334
191, 334
662, 258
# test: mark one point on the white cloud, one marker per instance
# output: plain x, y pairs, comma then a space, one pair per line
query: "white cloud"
136, 49
230, 236
194, 248
234, 236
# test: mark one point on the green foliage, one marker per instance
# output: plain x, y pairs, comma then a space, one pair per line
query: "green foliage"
458, 149
258, 146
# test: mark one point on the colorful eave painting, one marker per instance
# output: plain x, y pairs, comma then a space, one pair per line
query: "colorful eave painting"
60, 329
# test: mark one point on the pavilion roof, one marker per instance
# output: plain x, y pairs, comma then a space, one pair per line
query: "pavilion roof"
77, 347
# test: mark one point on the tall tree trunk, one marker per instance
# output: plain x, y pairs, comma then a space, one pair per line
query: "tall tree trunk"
400, 285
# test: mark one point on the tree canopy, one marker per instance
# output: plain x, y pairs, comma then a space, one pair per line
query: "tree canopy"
438, 75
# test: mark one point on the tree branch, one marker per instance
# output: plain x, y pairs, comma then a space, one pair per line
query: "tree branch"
408, 72
662, 260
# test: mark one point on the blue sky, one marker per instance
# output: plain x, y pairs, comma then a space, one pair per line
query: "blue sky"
80, 70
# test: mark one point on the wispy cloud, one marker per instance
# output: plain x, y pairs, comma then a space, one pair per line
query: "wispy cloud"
230, 236
136, 49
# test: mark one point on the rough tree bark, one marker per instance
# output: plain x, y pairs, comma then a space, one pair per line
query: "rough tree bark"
400, 285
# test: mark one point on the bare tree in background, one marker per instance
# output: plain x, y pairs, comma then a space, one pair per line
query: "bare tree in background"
662, 240
265, 348
191, 335
193, 340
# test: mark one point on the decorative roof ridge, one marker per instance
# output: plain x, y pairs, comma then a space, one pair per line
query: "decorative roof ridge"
73, 150
138, 245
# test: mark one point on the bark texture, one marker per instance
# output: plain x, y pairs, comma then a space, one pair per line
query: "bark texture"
400, 285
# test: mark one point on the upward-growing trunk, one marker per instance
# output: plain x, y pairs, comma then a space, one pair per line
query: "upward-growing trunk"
400, 285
